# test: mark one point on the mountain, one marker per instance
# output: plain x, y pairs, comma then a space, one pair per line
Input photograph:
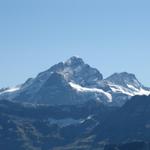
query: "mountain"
71, 106
129, 123
125, 85
90, 126
75, 82
124, 128
26, 127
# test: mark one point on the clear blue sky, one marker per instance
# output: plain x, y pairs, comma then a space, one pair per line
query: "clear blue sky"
112, 35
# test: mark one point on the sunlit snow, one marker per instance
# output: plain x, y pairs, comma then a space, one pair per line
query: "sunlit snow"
11, 90
131, 90
85, 89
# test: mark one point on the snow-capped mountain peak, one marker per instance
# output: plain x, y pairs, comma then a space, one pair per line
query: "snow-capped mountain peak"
73, 82
123, 79
74, 69
125, 84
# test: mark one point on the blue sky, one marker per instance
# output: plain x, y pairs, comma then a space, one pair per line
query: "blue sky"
113, 36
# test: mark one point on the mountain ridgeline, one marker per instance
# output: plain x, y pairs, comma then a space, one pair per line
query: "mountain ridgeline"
75, 82
71, 106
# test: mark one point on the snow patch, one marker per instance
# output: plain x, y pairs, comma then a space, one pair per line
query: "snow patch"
85, 89
132, 91
11, 90
142, 92
132, 87
120, 89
